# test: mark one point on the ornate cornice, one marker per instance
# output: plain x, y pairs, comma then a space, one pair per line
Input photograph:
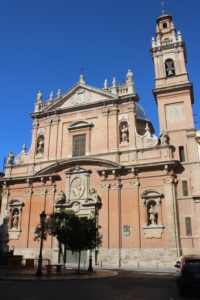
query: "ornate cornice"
174, 88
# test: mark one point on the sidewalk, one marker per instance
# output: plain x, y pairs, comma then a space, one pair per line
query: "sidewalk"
71, 273
27, 274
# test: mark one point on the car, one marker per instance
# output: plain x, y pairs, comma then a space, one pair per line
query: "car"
189, 273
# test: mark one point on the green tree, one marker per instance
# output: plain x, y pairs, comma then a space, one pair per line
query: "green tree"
58, 225
84, 235
75, 233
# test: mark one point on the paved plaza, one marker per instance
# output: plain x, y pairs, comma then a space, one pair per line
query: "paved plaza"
101, 285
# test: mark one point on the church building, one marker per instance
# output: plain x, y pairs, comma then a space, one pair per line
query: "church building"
94, 151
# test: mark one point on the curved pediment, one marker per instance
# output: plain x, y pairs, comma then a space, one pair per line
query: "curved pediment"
15, 202
151, 193
72, 162
80, 124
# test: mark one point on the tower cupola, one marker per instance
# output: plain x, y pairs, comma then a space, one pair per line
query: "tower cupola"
168, 53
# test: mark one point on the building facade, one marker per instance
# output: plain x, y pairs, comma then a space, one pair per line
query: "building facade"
94, 151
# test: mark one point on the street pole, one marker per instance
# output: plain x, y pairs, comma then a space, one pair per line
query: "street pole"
90, 267
42, 221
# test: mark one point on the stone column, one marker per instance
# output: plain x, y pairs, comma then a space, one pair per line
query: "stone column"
197, 211
171, 216
4, 221
113, 128
47, 138
53, 144
115, 220
34, 139
106, 213
104, 130
29, 194
132, 124
4, 203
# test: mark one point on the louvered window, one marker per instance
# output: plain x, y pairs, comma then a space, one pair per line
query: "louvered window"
79, 145
188, 226
185, 187
181, 153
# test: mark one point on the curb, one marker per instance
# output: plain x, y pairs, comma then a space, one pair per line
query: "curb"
98, 274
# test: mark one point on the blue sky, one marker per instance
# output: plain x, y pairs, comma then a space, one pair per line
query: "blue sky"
45, 43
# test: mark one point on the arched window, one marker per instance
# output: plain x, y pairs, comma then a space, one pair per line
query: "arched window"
169, 67
164, 25
40, 144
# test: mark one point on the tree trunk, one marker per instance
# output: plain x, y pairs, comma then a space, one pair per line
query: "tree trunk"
79, 260
65, 254
60, 253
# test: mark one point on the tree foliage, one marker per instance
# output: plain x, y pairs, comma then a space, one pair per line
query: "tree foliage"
75, 233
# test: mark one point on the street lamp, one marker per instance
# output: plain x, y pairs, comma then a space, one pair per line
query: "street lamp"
90, 267
42, 222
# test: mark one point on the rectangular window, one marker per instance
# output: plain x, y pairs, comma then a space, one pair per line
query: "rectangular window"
181, 153
126, 230
185, 187
79, 142
188, 226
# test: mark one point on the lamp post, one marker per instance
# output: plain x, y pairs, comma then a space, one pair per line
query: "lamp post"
90, 267
42, 222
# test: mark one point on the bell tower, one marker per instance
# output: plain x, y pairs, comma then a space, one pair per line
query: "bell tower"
173, 92
169, 54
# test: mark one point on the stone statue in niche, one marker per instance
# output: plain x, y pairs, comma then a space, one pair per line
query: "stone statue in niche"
152, 215
164, 138
92, 193
61, 197
15, 220
124, 133
40, 145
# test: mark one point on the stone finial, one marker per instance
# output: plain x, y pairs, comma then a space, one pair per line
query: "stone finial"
23, 148
59, 94
179, 36
114, 83
129, 76
153, 42
39, 96
163, 8
105, 84
173, 36
114, 173
114, 86
82, 79
10, 160
147, 130
158, 41
51, 96
129, 81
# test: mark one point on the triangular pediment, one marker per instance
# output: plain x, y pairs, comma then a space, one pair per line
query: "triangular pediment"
79, 95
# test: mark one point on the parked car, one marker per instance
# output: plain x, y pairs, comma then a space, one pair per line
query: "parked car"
189, 273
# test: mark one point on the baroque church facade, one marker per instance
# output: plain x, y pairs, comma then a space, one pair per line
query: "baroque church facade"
94, 151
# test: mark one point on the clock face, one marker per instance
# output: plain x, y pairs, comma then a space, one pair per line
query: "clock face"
77, 187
